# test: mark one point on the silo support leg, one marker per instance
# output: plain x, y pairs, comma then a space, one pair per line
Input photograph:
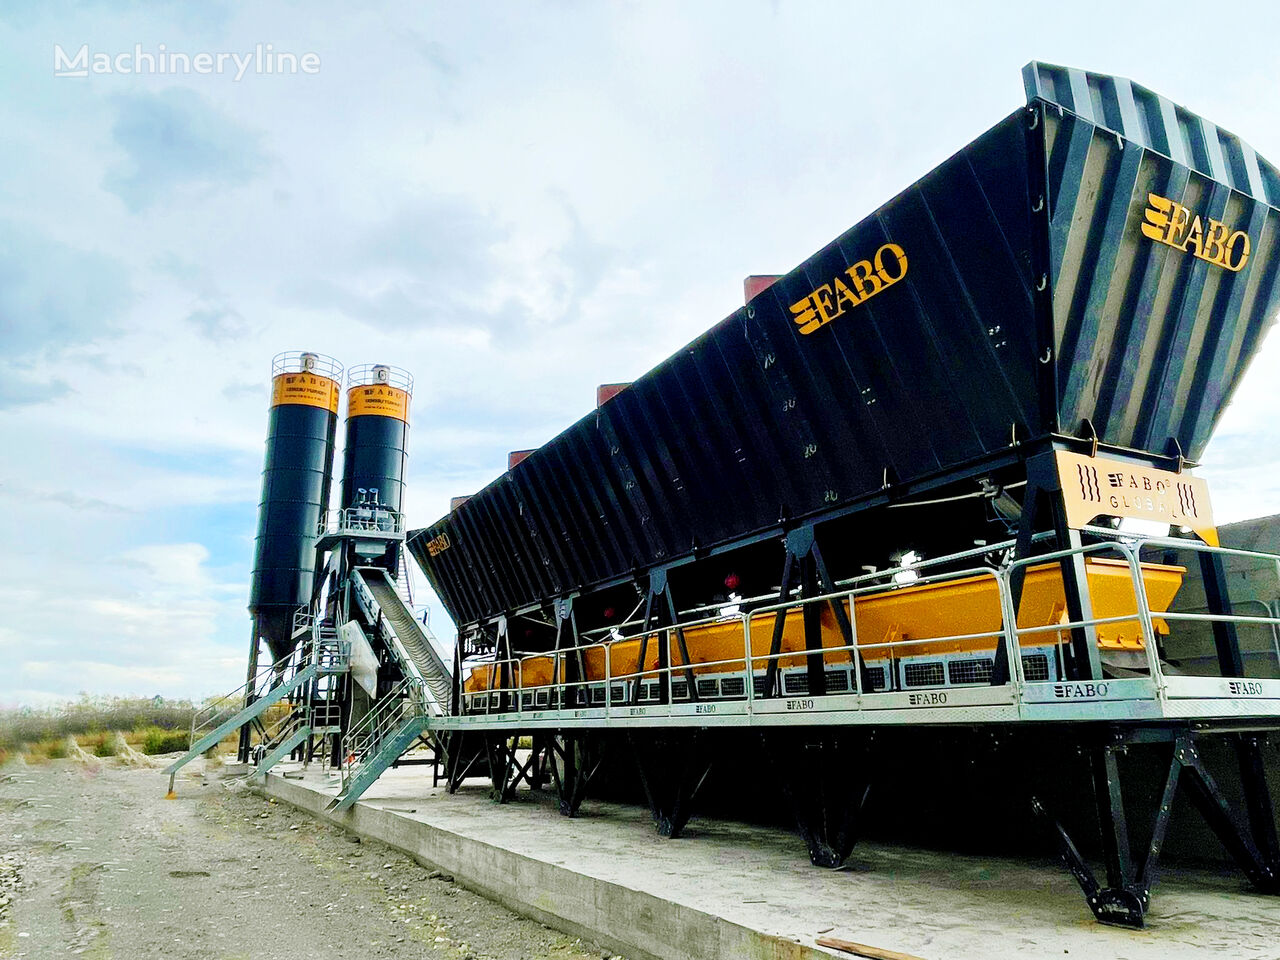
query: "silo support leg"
826, 781
672, 771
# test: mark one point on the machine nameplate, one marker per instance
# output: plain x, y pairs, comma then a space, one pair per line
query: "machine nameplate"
1222, 687
1095, 486
1080, 691
378, 400
932, 699
1245, 688
305, 389
1065, 692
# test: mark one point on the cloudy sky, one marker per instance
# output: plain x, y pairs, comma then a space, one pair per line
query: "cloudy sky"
514, 201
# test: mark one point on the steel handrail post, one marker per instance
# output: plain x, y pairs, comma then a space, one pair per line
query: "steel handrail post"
1013, 649
1012, 638
1145, 620
856, 653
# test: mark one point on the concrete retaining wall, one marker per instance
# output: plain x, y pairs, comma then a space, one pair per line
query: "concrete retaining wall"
631, 922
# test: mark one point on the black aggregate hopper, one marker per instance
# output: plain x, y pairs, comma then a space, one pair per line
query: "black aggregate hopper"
1099, 255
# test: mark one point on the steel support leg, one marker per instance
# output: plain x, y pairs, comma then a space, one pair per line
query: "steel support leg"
1127, 896
505, 769
1263, 871
779, 625
1044, 495
1112, 822
672, 771
826, 780
574, 760
1257, 794
242, 750
464, 756
815, 665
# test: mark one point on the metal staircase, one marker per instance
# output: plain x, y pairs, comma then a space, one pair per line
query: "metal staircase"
404, 714
324, 655
322, 718
379, 740
295, 734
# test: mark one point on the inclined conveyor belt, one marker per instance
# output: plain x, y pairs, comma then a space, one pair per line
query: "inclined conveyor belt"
417, 644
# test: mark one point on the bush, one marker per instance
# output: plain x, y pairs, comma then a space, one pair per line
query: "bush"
158, 740
107, 748
56, 750
91, 715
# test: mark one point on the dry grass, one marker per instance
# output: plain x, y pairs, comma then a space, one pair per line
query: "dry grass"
151, 725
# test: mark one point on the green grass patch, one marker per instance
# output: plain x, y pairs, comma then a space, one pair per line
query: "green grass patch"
159, 740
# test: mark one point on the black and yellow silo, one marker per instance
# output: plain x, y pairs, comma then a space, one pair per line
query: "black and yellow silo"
296, 478
374, 459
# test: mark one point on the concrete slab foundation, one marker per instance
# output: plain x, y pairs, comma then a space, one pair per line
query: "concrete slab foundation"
728, 890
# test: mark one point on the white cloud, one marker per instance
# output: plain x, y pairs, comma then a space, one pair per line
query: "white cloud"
151, 619
515, 202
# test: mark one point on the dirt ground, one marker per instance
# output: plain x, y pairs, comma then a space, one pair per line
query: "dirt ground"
94, 862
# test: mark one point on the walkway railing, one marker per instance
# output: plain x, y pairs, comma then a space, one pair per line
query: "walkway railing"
361, 519
1147, 676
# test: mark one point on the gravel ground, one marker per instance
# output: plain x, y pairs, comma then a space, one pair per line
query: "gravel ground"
95, 863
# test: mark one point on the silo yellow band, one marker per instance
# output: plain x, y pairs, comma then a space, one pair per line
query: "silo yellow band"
380, 400
306, 389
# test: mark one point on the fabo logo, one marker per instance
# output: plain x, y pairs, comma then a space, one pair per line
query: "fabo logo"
866, 278
438, 544
1168, 222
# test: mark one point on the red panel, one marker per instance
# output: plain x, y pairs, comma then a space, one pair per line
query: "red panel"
515, 456
757, 284
607, 391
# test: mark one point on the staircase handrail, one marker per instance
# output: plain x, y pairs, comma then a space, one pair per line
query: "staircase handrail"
285, 726
215, 712
304, 619
386, 716
323, 648
404, 585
